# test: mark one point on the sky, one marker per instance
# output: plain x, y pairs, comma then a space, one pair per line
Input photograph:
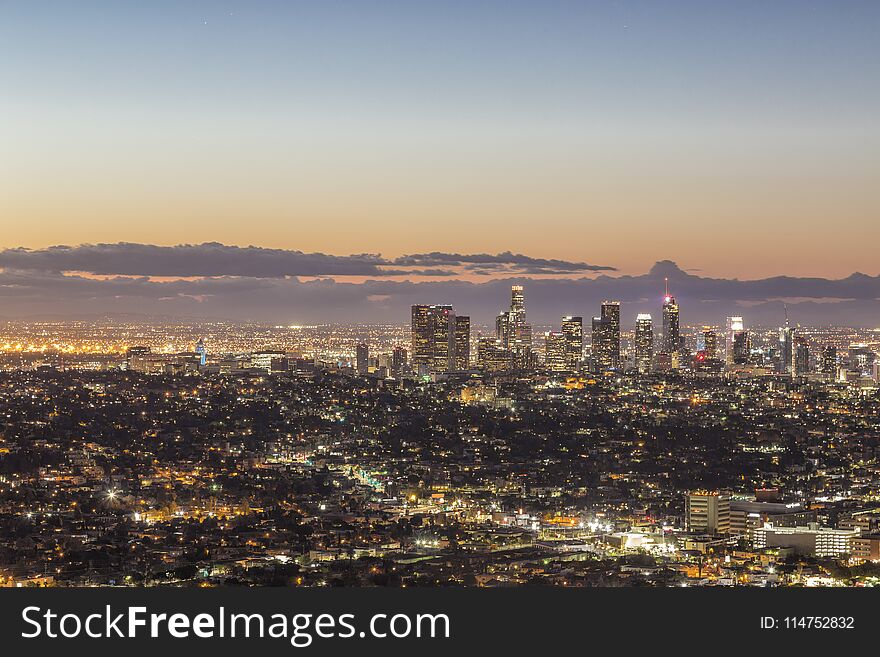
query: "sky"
735, 138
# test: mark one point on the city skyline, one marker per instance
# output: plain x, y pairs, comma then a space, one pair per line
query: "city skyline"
735, 136
376, 456
313, 295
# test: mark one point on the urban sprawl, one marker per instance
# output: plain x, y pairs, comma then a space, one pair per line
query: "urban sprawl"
602, 453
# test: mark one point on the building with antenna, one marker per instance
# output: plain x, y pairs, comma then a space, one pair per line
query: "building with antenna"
671, 339
786, 342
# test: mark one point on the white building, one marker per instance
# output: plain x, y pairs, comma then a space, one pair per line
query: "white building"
811, 540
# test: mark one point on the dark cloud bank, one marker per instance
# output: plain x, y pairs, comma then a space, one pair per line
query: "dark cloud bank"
251, 283
213, 259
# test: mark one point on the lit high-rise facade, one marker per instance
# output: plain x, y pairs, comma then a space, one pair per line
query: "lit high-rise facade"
741, 348
519, 335
786, 342
710, 343
573, 332
492, 356
433, 339
644, 343
734, 326
671, 330
502, 328
829, 361
707, 513
362, 358
606, 337
462, 342
517, 305
398, 361
800, 359
511, 329
556, 351
513, 333
861, 358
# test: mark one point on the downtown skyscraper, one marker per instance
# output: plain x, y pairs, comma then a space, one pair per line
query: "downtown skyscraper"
433, 339
829, 361
556, 352
573, 333
671, 340
644, 343
734, 325
741, 348
516, 333
462, 342
563, 350
786, 347
512, 332
362, 358
800, 359
606, 337
710, 343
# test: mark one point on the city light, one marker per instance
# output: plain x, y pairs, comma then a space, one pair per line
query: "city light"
406, 443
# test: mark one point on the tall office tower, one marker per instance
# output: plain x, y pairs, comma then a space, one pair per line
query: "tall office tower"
519, 334
644, 343
513, 333
517, 305
671, 330
611, 316
511, 329
398, 361
502, 328
710, 343
522, 356
606, 337
786, 341
433, 339
707, 513
421, 339
556, 355
202, 351
492, 356
362, 358
462, 342
741, 348
598, 357
573, 331
734, 325
384, 365
829, 361
800, 358
861, 358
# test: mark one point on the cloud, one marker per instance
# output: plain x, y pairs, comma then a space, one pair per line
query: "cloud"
188, 260
438, 272
506, 261
214, 259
